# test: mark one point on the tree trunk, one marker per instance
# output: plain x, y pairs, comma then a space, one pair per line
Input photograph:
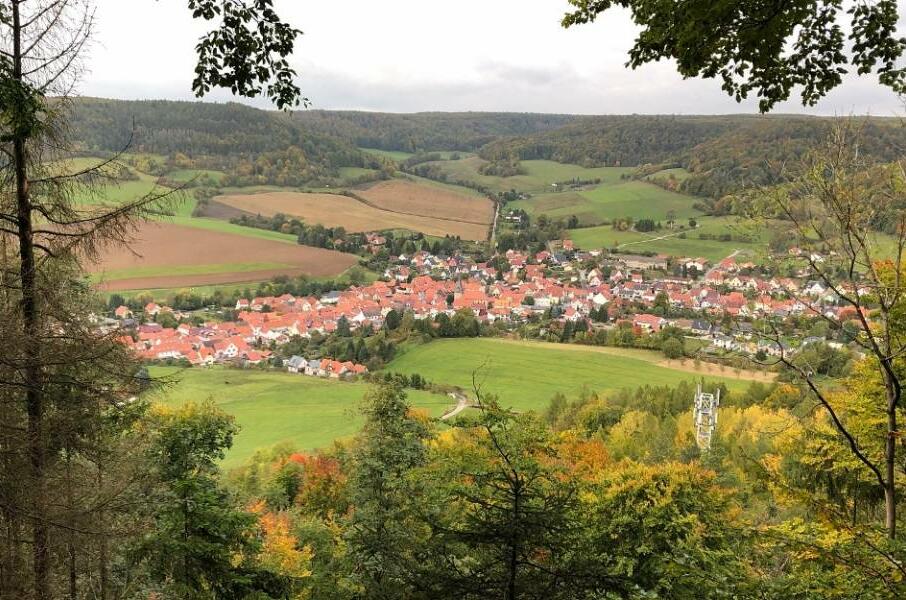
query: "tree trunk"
32, 378
514, 543
892, 385
102, 541
890, 457
70, 538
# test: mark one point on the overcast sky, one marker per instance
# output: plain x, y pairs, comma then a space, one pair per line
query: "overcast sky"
416, 55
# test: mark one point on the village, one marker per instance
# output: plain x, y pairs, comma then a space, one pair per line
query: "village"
717, 304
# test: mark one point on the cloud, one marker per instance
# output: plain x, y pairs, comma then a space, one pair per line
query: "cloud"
408, 55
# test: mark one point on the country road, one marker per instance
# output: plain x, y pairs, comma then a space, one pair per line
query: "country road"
494, 226
462, 403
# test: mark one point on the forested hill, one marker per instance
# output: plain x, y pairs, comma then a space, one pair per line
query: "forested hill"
723, 153
198, 128
614, 140
428, 131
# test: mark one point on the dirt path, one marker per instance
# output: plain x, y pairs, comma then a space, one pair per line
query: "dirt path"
716, 266
654, 239
494, 226
462, 403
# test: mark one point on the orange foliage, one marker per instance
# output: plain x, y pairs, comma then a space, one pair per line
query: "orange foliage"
279, 549
322, 482
583, 458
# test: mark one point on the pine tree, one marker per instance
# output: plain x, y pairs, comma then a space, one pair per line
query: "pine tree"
380, 534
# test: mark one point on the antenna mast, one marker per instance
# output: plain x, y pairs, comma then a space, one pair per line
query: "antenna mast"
704, 417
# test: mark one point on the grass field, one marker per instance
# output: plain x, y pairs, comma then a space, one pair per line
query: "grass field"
186, 175
431, 210
350, 173
228, 288
227, 227
609, 201
391, 154
678, 173
273, 407
606, 237
178, 270
538, 177
526, 375
613, 198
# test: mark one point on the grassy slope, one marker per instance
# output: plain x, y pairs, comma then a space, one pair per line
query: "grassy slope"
609, 201
227, 227
526, 376
348, 173
538, 176
272, 407
207, 290
613, 198
678, 173
192, 270
606, 237
185, 175
391, 154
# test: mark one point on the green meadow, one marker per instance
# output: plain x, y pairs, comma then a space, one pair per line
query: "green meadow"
612, 200
678, 173
229, 288
394, 155
191, 270
349, 173
669, 241
272, 407
539, 175
227, 227
526, 375
187, 175
614, 197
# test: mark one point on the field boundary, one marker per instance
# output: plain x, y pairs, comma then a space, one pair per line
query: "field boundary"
650, 356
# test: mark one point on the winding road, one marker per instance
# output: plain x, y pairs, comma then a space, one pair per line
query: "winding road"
462, 403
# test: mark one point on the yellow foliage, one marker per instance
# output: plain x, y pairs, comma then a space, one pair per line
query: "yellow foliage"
585, 458
279, 548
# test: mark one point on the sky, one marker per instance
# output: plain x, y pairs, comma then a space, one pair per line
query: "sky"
419, 55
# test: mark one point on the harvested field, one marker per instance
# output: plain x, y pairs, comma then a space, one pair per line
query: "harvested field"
428, 201
165, 255
387, 205
217, 210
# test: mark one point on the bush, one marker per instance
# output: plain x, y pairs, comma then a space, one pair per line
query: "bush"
673, 348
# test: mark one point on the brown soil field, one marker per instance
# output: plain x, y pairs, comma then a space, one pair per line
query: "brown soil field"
428, 201
216, 210
162, 245
388, 205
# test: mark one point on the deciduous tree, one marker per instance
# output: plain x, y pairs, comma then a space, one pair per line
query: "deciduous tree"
765, 48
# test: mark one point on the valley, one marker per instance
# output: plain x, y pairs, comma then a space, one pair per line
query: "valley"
352, 322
